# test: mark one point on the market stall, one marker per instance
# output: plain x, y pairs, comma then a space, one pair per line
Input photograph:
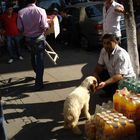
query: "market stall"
119, 119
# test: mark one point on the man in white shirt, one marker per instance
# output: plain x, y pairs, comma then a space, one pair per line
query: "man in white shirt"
117, 62
112, 12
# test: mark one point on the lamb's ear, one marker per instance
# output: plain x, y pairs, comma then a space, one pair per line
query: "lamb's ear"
91, 88
95, 83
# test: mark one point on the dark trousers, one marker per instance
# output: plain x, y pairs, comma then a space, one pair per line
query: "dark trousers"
36, 46
109, 89
13, 46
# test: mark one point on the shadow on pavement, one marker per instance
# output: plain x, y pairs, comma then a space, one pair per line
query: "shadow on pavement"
49, 130
14, 86
44, 131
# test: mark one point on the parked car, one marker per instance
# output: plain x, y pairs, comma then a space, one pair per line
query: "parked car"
89, 17
77, 1
47, 4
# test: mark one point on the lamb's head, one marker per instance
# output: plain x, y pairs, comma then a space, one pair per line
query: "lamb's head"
90, 83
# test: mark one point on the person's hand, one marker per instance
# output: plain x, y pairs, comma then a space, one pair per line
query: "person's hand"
101, 85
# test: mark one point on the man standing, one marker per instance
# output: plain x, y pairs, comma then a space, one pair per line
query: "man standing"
32, 21
113, 65
67, 34
112, 12
10, 30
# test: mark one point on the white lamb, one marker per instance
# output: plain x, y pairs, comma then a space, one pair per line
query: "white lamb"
76, 101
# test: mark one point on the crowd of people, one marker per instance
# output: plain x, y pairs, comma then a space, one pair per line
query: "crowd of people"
114, 62
11, 38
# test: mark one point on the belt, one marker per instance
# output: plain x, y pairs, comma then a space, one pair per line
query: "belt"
39, 36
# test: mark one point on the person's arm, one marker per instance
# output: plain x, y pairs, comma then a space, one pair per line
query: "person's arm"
44, 22
120, 9
20, 23
100, 65
97, 71
111, 80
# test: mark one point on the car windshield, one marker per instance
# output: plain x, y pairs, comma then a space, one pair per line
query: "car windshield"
56, 1
94, 10
46, 4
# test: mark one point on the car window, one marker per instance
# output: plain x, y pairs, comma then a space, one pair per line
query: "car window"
94, 10
47, 3
77, 1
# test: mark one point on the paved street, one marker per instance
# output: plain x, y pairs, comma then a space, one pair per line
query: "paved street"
39, 115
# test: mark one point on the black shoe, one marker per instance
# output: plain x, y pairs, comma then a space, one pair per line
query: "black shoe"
38, 88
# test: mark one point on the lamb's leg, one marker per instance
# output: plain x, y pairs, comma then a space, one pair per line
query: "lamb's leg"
76, 130
66, 125
86, 111
75, 127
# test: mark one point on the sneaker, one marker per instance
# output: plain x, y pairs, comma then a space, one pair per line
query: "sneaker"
11, 61
20, 58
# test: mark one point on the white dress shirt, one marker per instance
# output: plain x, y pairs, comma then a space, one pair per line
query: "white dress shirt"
111, 19
118, 63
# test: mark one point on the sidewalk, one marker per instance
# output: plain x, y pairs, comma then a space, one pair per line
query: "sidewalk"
39, 115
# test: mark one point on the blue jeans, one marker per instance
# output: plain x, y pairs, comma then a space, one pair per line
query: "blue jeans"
13, 46
36, 46
2, 128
